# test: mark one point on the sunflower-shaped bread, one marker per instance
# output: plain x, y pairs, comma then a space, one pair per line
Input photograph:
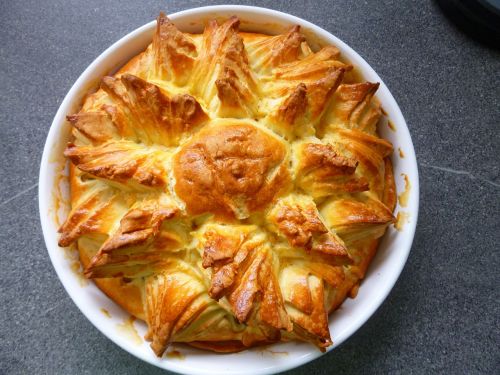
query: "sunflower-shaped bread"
229, 188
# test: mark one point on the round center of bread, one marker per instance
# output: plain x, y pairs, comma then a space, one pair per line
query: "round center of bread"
230, 170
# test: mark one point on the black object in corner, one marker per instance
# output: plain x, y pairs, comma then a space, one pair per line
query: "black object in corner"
479, 18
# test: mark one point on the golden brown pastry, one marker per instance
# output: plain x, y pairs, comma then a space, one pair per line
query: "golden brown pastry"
229, 188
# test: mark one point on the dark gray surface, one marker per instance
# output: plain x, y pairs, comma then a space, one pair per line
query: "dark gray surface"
443, 314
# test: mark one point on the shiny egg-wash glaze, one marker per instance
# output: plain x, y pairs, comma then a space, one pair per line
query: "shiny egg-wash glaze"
229, 188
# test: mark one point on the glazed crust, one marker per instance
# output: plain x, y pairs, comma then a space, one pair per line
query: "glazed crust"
230, 169
229, 188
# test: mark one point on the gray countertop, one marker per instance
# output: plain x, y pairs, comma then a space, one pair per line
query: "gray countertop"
443, 315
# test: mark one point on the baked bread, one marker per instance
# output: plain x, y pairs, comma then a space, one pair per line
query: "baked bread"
229, 188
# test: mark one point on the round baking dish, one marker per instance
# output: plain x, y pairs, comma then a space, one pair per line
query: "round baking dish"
114, 322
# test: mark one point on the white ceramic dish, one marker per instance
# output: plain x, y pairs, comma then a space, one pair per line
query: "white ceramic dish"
111, 320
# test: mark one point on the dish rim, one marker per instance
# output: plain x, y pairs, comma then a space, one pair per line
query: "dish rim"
46, 178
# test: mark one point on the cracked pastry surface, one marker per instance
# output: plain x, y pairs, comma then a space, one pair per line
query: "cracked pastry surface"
229, 188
